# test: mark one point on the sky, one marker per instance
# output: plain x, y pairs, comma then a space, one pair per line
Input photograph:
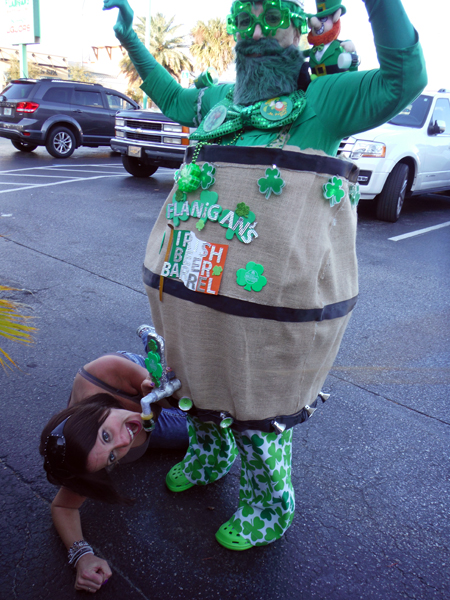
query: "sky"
69, 27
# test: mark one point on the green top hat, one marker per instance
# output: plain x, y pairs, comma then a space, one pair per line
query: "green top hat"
328, 7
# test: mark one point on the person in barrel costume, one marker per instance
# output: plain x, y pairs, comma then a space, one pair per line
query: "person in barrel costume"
250, 268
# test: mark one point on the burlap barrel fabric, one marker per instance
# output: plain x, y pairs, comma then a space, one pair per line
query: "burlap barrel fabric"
259, 354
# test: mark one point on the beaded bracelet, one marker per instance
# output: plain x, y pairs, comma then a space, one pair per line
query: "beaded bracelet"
77, 550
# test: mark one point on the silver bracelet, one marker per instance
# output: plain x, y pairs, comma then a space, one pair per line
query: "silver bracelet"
77, 550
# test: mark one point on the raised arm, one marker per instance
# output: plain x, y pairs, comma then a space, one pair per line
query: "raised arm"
366, 99
91, 570
174, 101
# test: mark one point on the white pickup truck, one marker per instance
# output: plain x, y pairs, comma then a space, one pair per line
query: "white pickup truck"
409, 155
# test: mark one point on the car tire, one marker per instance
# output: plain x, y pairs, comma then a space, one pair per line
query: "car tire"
390, 201
23, 146
60, 142
137, 168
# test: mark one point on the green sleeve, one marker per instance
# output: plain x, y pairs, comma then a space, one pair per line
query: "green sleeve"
347, 103
187, 107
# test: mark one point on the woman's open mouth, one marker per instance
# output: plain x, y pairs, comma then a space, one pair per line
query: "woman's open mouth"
133, 429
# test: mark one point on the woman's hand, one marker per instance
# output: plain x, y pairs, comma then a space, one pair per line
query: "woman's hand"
92, 573
147, 386
124, 21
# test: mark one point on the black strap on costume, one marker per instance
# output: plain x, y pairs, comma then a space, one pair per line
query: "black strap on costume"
105, 386
285, 159
270, 425
242, 308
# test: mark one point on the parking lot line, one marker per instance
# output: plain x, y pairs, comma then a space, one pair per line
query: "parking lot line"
33, 175
39, 185
397, 238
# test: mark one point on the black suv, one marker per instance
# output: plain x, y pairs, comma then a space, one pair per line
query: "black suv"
58, 114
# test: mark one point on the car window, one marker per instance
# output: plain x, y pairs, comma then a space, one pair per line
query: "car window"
442, 113
58, 94
18, 91
415, 114
87, 98
118, 103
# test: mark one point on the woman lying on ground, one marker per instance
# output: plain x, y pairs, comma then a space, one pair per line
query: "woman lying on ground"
100, 427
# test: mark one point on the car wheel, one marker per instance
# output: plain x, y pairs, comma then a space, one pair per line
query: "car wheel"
137, 168
23, 146
60, 142
391, 199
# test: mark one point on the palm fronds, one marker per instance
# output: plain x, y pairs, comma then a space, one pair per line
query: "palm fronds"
13, 326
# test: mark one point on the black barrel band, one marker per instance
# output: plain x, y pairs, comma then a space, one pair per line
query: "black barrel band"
284, 159
242, 308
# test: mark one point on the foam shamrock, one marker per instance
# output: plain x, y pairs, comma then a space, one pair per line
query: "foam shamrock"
333, 191
251, 278
200, 224
200, 207
154, 367
272, 182
179, 196
206, 176
217, 270
237, 225
354, 194
181, 212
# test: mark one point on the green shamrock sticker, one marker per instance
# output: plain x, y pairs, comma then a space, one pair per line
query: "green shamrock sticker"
154, 367
251, 278
179, 196
333, 191
272, 182
200, 224
354, 194
217, 270
206, 176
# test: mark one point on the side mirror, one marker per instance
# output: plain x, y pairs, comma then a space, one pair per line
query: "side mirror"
437, 127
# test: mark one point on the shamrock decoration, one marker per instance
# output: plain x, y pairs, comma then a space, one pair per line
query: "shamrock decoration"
206, 176
354, 194
251, 278
239, 226
217, 270
154, 367
200, 224
179, 196
272, 182
242, 210
188, 177
332, 190
181, 210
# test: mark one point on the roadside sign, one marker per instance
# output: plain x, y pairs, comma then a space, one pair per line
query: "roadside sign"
20, 21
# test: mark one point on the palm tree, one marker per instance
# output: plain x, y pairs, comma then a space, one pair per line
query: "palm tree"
12, 325
165, 46
212, 46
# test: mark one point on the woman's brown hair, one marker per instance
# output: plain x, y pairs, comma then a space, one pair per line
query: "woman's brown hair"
80, 434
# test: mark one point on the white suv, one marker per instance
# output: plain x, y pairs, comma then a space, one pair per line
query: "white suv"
408, 155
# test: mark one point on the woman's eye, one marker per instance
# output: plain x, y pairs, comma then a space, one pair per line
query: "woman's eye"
105, 436
112, 458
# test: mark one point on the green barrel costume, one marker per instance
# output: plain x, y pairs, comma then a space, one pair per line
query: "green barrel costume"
258, 270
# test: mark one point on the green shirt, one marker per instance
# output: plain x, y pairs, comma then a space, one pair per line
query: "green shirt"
337, 105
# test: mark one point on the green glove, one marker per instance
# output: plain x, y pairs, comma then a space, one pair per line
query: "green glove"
123, 29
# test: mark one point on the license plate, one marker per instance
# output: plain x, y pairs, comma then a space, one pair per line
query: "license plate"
7, 111
134, 151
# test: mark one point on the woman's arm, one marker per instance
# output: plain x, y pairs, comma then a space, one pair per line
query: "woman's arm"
92, 571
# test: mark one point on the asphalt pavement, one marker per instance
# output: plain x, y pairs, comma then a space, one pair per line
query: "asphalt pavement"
371, 468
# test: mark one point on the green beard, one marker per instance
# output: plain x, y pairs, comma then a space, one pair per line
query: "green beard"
273, 73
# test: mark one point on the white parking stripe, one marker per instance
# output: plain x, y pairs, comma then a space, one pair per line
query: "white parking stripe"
418, 232
39, 185
32, 175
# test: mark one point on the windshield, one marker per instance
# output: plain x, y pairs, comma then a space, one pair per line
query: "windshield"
17, 91
415, 114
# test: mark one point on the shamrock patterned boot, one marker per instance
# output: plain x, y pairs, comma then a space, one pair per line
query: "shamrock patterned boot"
266, 496
211, 454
